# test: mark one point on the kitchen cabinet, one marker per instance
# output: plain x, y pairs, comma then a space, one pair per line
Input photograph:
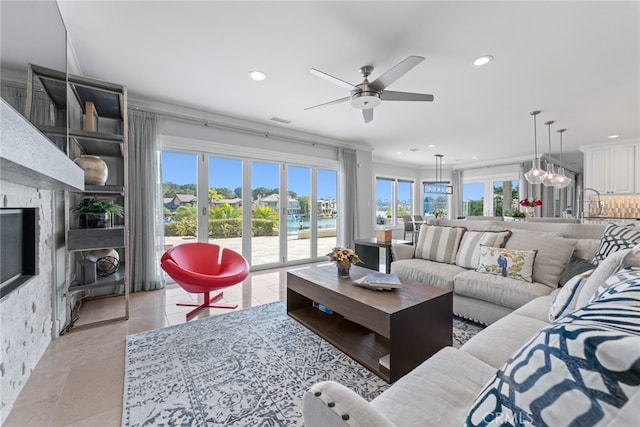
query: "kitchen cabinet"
611, 170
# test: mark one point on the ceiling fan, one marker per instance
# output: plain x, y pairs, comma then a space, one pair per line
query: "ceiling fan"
368, 95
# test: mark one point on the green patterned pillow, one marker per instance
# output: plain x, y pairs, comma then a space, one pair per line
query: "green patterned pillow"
514, 263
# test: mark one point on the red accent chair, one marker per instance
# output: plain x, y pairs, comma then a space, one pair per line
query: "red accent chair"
202, 268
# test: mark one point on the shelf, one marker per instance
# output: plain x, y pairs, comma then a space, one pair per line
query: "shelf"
92, 143
85, 239
104, 189
28, 158
118, 278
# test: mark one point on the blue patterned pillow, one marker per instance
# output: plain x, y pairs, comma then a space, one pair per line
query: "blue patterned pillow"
578, 371
621, 288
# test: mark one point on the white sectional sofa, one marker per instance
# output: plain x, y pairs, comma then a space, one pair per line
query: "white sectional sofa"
568, 357
482, 297
582, 369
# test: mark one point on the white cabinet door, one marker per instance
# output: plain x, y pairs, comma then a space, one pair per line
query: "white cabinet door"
597, 170
622, 174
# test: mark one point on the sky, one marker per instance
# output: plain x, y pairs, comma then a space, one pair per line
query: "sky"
181, 168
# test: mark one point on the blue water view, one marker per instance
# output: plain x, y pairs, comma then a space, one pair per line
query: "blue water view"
303, 224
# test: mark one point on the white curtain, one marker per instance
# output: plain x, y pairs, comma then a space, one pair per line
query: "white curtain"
146, 232
456, 197
349, 196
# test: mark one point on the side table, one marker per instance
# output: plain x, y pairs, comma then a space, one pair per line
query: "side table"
369, 252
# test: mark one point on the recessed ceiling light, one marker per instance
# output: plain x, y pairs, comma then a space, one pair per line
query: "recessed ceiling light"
483, 60
414, 149
474, 157
614, 136
398, 152
431, 145
257, 75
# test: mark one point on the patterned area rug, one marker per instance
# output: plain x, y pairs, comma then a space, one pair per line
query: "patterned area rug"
245, 368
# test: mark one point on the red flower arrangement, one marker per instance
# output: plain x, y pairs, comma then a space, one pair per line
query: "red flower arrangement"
530, 202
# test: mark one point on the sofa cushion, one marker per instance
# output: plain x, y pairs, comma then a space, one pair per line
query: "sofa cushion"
504, 291
494, 344
468, 255
438, 392
576, 266
538, 308
428, 272
439, 244
586, 248
616, 237
578, 371
512, 263
566, 299
554, 252
621, 288
603, 271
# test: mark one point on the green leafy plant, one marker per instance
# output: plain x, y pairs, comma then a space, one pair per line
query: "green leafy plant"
98, 206
514, 214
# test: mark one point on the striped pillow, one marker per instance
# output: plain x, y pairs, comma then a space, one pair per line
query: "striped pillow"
468, 255
436, 243
616, 237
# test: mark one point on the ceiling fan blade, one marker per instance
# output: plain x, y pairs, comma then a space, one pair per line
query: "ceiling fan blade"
388, 95
396, 72
332, 79
367, 114
335, 101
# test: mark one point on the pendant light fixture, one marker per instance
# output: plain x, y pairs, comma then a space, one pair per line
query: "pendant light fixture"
439, 186
535, 175
550, 178
562, 181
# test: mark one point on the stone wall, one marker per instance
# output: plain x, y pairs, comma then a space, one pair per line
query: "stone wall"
26, 314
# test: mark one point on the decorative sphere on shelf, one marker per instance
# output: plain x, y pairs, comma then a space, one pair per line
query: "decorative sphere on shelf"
107, 261
95, 169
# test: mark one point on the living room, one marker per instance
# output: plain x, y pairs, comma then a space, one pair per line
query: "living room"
206, 107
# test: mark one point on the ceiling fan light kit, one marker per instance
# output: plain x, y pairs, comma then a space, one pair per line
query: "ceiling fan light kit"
368, 95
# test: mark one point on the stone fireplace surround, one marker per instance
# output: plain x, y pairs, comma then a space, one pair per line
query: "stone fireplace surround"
33, 174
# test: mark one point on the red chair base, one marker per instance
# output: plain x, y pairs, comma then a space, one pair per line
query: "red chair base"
208, 302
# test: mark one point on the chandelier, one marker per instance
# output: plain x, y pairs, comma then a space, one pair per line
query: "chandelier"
535, 175
439, 186
551, 177
562, 181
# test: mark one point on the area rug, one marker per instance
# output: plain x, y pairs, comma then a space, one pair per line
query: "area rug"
245, 368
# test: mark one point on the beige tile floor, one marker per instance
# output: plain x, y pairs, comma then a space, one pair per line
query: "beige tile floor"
79, 380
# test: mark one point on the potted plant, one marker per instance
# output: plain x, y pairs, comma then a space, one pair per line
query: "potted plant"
94, 213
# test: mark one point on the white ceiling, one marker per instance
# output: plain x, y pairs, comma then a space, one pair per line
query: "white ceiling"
579, 62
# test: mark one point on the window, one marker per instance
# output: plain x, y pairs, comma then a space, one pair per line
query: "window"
434, 199
394, 198
489, 196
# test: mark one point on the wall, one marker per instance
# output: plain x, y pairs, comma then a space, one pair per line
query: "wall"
26, 319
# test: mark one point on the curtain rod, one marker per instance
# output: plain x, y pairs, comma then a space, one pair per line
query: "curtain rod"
225, 126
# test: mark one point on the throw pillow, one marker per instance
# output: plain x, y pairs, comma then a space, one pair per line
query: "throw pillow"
621, 288
616, 237
468, 255
436, 243
507, 262
575, 267
565, 300
554, 253
579, 371
610, 266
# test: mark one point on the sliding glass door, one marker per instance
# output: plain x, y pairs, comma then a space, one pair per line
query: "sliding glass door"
272, 212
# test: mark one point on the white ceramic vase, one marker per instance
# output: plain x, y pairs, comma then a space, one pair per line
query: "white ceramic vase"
95, 169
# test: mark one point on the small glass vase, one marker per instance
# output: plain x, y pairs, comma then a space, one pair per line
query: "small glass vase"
531, 211
343, 271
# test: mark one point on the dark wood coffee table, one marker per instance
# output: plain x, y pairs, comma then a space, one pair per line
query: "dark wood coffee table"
410, 324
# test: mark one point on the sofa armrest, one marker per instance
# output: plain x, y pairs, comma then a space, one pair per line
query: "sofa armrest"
402, 251
329, 404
